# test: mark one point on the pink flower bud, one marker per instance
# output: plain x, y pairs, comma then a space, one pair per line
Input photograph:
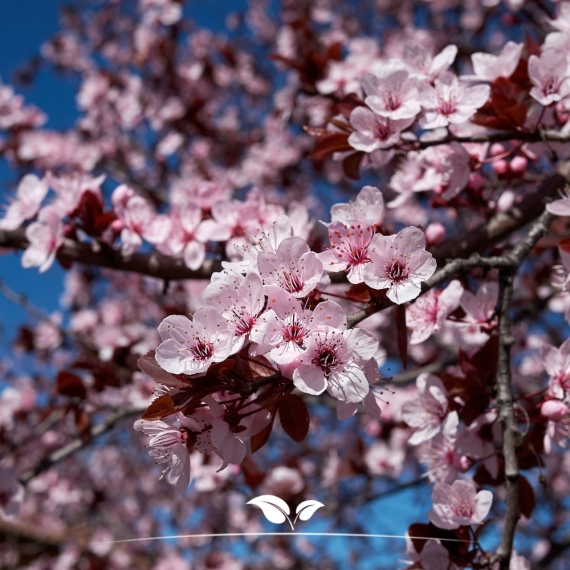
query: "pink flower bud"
462, 463
496, 148
554, 410
500, 167
505, 201
435, 233
476, 181
518, 164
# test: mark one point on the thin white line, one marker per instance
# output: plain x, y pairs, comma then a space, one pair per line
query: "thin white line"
235, 534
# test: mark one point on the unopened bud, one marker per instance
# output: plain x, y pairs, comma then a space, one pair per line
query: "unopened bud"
554, 410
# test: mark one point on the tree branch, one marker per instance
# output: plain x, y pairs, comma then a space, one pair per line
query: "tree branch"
78, 443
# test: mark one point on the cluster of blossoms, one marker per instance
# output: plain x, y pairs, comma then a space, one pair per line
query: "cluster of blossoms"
271, 307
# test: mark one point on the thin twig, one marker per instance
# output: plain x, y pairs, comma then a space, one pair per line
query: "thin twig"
79, 443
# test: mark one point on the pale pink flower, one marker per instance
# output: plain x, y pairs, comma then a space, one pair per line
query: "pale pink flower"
283, 482
239, 300
373, 132
349, 250
400, 264
556, 362
283, 331
449, 101
334, 361
423, 65
427, 315
368, 206
29, 195
70, 189
372, 400
439, 454
488, 67
45, 237
560, 207
549, 76
185, 238
385, 460
427, 412
393, 94
169, 442
11, 493
294, 267
137, 220
458, 505
190, 347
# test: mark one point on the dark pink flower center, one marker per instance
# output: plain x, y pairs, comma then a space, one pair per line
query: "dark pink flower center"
447, 107
202, 350
291, 282
327, 358
396, 270
295, 332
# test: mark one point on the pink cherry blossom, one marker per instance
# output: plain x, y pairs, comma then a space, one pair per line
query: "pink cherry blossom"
294, 267
428, 411
459, 504
556, 362
371, 402
368, 206
427, 315
191, 346
70, 188
334, 361
45, 237
422, 64
560, 207
393, 94
373, 132
349, 249
185, 238
284, 329
30, 194
449, 101
549, 76
239, 300
488, 67
400, 264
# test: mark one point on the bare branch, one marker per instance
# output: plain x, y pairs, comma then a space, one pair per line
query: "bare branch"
79, 443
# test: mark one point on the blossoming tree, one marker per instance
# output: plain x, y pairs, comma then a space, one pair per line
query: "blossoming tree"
322, 255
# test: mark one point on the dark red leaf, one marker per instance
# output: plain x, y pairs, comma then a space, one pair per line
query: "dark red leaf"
564, 245
402, 333
418, 533
526, 497
294, 417
359, 293
81, 420
252, 474
68, 384
351, 165
334, 142
161, 408
260, 439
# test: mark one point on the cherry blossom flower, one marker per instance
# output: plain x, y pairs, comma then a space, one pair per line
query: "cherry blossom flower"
549, 75
458, 505
560, 207
427, 315
186, 238
333, 361
370, 403
70, 188
170, 442
239, 300
432, 556
423, 65
11, 493
190, 347
427, 412
349, 249
368, 206
45, 237
294, 267
373, 132
137, 220
283, 331
400, 264
488, 67
393, 95
556, 362
449, 101
29, 196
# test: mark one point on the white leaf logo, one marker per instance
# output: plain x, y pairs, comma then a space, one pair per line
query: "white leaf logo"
274, 508
307, 509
